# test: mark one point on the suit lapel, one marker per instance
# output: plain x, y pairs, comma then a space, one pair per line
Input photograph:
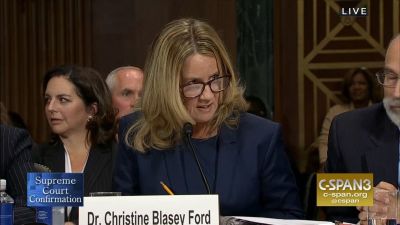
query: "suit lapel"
98, 159
175, 169
55, 158
383, 157
227, 159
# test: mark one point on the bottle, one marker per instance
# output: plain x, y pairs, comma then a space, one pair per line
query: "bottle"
58, 215
6, 205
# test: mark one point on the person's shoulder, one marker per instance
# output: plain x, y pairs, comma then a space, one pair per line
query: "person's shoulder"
49, 145
109, 147
254, 130
13, 137
10, 131
360, 119
130, 119
46, 148
253, 122
340, 108
13, 140
363, 114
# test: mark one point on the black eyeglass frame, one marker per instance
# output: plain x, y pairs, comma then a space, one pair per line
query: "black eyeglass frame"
226, 84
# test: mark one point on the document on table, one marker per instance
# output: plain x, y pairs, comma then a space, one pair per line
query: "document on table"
259, 221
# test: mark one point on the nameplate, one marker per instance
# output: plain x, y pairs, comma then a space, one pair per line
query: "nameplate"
150, 210
55, 189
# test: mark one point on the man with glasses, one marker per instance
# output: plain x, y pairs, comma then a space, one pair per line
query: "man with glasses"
367, 140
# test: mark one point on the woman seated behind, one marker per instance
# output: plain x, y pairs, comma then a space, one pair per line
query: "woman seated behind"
79, 111
189, 79
358, 91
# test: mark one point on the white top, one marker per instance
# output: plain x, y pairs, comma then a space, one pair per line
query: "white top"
68, 169
326, 125
3, 185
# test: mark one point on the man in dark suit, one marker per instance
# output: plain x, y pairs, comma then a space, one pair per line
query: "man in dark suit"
367, 140
16, 162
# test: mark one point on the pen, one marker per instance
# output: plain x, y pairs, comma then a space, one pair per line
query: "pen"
166, 188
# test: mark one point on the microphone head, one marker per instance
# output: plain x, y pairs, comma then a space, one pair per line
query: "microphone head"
187, 128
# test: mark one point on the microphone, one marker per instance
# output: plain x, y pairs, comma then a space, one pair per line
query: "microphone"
187, 130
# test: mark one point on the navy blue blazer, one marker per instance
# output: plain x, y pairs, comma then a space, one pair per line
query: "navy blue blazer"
363, 141
253, 175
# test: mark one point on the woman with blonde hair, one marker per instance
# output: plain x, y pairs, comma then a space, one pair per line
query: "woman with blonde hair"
192, 132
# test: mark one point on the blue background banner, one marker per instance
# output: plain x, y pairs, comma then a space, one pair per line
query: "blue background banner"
55, 189
44, 215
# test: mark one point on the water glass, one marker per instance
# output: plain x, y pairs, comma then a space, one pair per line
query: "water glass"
384, 218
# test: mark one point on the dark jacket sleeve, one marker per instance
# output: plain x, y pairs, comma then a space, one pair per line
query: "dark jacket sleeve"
335, 165
17, 145
280, 193
125, 172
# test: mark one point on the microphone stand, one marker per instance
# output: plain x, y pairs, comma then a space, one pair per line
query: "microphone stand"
187, 128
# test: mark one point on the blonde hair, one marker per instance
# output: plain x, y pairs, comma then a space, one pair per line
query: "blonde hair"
163, 112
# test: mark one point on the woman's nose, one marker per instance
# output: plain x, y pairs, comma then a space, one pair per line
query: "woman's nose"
207, 93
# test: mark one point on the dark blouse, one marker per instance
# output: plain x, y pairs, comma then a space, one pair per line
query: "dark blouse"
207, 151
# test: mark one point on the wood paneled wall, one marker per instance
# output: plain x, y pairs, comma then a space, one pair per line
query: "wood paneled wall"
36, 35
314, 53
125, 30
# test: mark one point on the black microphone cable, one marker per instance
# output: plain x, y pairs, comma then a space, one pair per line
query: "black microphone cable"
187, 129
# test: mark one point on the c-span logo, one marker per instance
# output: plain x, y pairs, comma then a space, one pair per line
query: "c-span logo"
345, 189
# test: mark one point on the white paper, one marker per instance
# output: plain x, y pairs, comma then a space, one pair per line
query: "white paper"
284, 222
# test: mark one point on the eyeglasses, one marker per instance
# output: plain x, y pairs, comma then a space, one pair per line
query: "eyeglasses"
387, 78
216, 85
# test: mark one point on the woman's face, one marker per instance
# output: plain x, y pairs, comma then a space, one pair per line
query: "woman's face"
65, 111
200, 68
359, 88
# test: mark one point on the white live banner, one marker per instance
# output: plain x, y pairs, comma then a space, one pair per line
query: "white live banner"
150, 210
